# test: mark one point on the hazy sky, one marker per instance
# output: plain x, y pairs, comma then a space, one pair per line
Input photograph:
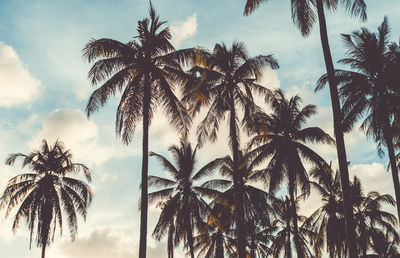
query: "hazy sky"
44, 90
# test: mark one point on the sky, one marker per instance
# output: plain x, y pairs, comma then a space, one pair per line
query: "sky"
44, 90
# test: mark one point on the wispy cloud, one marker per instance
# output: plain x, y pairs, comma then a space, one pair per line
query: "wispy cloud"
182, 30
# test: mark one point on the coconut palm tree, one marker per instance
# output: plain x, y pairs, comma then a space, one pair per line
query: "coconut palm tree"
284, 230
328, 220
281, 137
304, 15
369, 216
257, 209
47, 196
182, 200
145, 70
226, 84
369, 91
217, 239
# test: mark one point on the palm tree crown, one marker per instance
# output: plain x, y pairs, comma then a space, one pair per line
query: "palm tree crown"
227, 79
48, 193
146, 70
182, 200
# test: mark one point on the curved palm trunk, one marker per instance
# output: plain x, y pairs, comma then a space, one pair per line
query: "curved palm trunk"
387, 131
145, 165
237, 181
337, 122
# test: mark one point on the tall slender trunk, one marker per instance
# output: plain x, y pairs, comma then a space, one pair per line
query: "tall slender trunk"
189, 231
43, 250
170, 246
219, 252
145, 165
288, 245
387, 131
293, 212
237, 180
337, 122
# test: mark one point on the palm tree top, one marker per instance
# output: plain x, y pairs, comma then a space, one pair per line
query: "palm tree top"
304, 14
48, 194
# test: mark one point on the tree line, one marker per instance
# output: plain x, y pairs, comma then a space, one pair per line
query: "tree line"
233, 216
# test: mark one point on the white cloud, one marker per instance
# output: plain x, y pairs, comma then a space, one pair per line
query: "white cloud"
17, 86
106, 242
77, 132
182, 30
374, 177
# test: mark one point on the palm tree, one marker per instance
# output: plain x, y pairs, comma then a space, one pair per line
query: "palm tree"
285, 230
217, 238
328, 220
281, 137
304, 15
368, 91
369, 216
48, 193
228, 79
255, 202
183, 202
145, 70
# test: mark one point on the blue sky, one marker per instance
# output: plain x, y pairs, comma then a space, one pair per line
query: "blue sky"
44, 89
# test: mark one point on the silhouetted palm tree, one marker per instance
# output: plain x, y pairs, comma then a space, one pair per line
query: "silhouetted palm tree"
368, 91
145, 70
48, 193
369, 216
384, 243
182, 200
285, 230
228, 79
304, 16
255, 202
217, 238
281, 137
328, 220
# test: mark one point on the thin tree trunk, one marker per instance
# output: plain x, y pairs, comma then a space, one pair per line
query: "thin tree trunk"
392, 158
294, 213
237, 181
340, 146
189, 232
145, 164
43, 250
219, 253
288, 245
170, 246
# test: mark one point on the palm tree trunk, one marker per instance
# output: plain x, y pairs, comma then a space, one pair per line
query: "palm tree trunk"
294, 213
145, 165
190, 233
387, 131
237, 181
219, 253
43, 250
288, 245
337, 122
170, 247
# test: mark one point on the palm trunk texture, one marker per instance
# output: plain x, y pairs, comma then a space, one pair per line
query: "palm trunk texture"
337, 122
145, 164
237, 182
